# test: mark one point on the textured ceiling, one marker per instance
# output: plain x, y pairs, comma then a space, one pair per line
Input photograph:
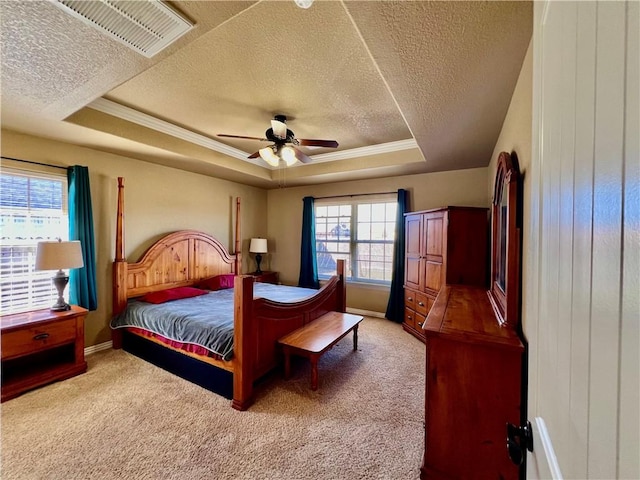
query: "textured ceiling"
435, 78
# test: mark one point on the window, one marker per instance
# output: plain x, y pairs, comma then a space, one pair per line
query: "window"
34, 208
359, 230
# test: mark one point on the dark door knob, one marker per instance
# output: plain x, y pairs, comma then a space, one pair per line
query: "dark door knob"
519, 439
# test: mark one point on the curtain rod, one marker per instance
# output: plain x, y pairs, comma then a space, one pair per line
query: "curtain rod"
355, 195
35, 163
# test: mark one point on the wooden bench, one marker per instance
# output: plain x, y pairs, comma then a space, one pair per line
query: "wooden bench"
317, 337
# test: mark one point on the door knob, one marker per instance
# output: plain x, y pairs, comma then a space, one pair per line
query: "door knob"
519, 439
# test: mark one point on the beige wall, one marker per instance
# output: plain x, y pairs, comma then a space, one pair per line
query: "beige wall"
158, 200
515, 136
463, 187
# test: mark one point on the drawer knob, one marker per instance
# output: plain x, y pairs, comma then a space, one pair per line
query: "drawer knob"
421, 304
420, 324
41, 336
408, 317
410, 299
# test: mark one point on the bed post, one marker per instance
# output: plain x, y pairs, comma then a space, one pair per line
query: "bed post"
119, 267
238, 245
341, 288
244, 341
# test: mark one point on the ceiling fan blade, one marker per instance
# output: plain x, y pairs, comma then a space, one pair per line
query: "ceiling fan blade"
301, 156
242, 136
307, 142
254, 155
279, 128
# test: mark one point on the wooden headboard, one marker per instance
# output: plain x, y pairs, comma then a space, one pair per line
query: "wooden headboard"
179, 259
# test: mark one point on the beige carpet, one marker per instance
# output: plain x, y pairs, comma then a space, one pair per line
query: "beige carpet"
127, 419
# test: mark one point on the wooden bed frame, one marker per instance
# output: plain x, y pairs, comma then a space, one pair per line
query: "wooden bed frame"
183, 258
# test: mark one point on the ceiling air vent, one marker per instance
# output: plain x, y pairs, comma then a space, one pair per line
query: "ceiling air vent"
146, 26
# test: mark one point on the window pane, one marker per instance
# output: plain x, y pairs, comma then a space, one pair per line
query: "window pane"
378, 212
333, 210
390, 231
364, 231
321, 229
321, 212
345, 210
364, 213
392, 209
378, 231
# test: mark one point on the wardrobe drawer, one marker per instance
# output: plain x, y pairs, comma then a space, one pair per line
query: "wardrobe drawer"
410, 299
423, 304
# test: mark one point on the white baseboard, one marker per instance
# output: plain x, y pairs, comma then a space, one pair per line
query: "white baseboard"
97, 348
547, 454
366, 313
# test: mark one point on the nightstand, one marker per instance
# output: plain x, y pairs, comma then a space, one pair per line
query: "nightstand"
265, 277
41, 347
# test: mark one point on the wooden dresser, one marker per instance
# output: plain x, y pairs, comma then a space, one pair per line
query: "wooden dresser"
445, 245
40, 347
473, 378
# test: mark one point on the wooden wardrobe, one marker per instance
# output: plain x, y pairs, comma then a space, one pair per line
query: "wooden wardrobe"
443, 246
474, 353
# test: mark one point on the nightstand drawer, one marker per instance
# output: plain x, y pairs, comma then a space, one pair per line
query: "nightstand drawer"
266, 277
38, 337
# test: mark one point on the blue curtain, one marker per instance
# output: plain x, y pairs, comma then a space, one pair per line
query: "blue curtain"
308, 263
82, 281
395, 307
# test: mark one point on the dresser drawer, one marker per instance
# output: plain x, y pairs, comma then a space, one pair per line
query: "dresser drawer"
38, 337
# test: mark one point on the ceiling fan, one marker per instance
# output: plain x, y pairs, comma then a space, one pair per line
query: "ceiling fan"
284, 144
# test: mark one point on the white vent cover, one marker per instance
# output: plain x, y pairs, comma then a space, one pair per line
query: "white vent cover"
146, 26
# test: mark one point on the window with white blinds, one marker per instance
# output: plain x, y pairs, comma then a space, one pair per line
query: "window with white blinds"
33, 208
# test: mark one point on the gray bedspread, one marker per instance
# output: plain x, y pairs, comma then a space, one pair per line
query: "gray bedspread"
206, 320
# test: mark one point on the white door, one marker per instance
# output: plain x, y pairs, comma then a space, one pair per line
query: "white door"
581, 286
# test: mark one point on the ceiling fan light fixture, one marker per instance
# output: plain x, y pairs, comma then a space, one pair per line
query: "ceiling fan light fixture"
269, 156
303, 3
288, 154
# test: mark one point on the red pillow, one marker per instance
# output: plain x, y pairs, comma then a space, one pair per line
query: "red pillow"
219, 282
172, 294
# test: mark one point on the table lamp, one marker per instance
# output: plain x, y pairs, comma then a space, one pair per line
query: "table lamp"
258, 246
57, 256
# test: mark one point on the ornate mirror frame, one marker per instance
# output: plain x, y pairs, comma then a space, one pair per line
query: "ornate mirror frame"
504, 290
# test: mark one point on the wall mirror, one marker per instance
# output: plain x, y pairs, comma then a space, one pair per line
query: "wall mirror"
505, 241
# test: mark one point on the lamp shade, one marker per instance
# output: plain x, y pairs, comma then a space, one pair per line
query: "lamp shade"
59, 255
269, 156
288, 155
258, 245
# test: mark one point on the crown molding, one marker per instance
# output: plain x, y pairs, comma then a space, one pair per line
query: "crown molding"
139, 118
366, 151
135, 116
